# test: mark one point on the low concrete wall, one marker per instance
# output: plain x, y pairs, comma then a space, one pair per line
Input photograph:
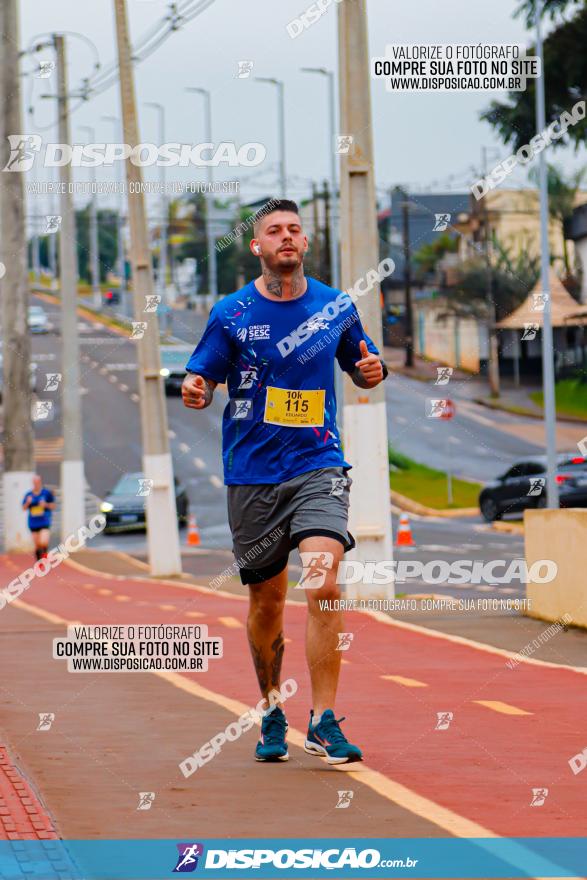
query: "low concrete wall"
560, 535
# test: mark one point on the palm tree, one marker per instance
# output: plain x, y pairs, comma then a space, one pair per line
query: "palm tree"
561, 198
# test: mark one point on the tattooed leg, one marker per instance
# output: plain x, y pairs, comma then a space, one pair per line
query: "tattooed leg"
265, 630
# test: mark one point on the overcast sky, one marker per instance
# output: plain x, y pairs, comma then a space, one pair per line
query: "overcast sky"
421, 139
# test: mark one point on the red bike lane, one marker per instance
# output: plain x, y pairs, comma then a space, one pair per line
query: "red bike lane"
502, 731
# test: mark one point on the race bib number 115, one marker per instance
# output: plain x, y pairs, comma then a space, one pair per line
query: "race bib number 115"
295, 409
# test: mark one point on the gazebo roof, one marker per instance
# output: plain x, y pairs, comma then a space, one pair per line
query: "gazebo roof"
564, 310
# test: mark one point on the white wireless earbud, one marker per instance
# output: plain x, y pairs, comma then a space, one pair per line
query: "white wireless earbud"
257, 249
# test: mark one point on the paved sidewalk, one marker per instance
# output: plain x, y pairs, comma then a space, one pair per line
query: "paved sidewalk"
115, 735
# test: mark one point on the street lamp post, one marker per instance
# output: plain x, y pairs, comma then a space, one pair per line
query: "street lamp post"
94, 241
547, 342
210, 231
162, 273
334, 256
281, 127
121, 263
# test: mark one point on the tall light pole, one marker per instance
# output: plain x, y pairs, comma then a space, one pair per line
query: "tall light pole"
94, 245
162, 534
120, 262
547, 342
162, 273
72, 466
281, 129
14, 290
210, 231
365, 421
334, 256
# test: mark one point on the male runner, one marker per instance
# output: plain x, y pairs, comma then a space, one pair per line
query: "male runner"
274, 343
40, 503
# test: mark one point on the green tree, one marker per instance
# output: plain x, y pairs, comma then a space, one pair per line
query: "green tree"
565, 67
427, 257
561, 199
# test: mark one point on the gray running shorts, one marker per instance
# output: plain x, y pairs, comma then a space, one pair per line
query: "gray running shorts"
267, 521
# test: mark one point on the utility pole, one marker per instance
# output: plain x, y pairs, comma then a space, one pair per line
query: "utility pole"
52, 243
162, 534
14, 289
493, 349
94, 245
280, 129
409, 322
552, 494
120, 261
209, 199
365, 423
162, 273
72, 466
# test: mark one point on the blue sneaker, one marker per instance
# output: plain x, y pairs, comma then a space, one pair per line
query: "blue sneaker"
272, 745
327, 740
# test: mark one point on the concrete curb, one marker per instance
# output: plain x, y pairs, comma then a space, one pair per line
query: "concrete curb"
512, 528
522, 411
412, 506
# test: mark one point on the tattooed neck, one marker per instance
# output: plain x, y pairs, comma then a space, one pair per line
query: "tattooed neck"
280, 286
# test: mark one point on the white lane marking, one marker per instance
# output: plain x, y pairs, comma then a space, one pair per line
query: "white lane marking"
48, 356
115, 367
454, 440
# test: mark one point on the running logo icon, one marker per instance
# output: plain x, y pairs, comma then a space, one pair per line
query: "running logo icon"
315, 566
344, 641
53, 223
441, 222
189, 856
46, 719
23, 148
241, 409
539, 795
530, 331
444, 719
443, 375
537, 484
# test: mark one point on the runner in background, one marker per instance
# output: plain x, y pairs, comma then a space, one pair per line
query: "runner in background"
40, 502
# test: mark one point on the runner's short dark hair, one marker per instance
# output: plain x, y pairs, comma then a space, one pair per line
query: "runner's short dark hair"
271, 206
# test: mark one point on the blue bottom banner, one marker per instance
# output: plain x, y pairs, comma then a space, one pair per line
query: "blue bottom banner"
282, 857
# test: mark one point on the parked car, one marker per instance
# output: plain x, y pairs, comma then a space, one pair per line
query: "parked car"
524, 486
111, 298
37, 320
125, 508
173, 361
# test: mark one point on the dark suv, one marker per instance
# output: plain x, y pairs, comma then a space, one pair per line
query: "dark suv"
524, 485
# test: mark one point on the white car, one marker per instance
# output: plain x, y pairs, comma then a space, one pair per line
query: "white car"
38, 320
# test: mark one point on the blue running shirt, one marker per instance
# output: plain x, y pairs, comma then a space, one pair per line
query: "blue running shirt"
39, 517
277, 359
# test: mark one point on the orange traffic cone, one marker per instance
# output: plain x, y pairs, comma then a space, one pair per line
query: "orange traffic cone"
404, 536
193, 535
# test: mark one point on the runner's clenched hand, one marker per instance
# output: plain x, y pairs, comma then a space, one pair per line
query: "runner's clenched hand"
369, 366
196, 391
